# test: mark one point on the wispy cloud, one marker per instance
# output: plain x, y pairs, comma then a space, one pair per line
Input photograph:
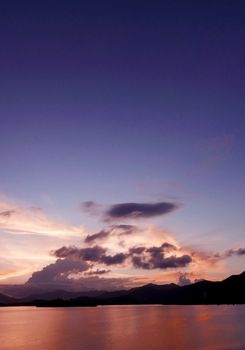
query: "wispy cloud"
234, 252
91, 208
15, 218
118, 230
27, 234
97, 236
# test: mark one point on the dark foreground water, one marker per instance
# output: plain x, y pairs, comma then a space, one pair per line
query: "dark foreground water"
123, 327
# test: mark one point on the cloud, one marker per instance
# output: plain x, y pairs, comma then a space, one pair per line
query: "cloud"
15, 218
116, 230
156, 258
58, 271
93, 254
88, 205
97, 236
161, 262
210, 261
74, 275
7, 213
165, 247
137, 250
88, 254
232, 252
215, 257
141, 257
91, 207
129, 210
138, 210
96, 272
97, 282
240, 251
113, 259
27, 234
10, 268
183, 279
77, 266
126, 229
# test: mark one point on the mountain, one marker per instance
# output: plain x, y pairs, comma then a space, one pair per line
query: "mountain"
229, 291
6, 300
60, 294
147, 294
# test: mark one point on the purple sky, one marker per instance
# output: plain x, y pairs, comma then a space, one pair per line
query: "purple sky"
122, 102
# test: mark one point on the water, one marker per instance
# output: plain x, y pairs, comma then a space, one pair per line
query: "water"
123, 327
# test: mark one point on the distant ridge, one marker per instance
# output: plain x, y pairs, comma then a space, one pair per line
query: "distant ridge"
229, 291
5, 299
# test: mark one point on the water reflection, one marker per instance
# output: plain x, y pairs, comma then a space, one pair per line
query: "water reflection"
123, 327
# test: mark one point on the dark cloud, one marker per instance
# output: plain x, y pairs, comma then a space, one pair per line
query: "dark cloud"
96, 272
232, 252
129, 210
155, 258
141, 257
137, 250
87, 254
7, 213
97, 236
139, 263
161, 262
165, 247
240, 251
173, 261
113, 259
126, 229
168, 246
93, 254
139, 210
58, 271
112, 230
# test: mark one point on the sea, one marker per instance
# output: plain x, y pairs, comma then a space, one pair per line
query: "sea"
145, 327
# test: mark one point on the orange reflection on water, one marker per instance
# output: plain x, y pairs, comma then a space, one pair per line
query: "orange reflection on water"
123, 327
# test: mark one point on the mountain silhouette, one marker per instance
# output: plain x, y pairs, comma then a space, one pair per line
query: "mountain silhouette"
229, 291
5, 299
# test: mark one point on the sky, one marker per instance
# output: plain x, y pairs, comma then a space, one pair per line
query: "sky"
121, 142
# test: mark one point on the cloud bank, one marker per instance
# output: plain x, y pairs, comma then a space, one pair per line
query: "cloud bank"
111, 253
58, 271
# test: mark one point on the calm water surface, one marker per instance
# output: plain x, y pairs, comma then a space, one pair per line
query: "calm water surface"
123, 327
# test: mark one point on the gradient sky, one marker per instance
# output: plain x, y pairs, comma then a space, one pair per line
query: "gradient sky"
122, 102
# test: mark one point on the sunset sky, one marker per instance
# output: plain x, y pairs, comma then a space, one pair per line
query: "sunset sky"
122, 142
